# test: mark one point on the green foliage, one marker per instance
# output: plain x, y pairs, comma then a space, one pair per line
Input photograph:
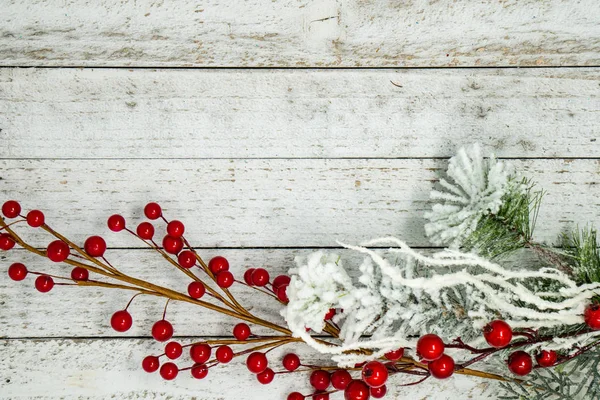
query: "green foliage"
582, 248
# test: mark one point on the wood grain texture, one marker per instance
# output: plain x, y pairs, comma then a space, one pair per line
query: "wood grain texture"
273, 203
54, 113
292, 33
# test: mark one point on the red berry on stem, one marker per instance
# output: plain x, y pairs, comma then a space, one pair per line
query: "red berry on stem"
121, 321
260, 277
95, 246
340, 379
257, 362
218, 264
520, 363
35, 218
152, 211
17, 271
150, 363
546, 358
281, 293
196, 290
169, 371
199, 371
329, 314
320, 396
295, 396
11, 209
187, 259
379, 392
498, 334
175, 228
291, 362
173, 350
225, 279
281, 280
145, 230
374, 374
241, 331
162, 330
172, 244
442, 368
357, 390
224, 354
200, 353
6, 242
395, 355
430, 347
320, 379
116, 223
58, 251
591, 316
248, 279
44, 283
80, 274
266, 376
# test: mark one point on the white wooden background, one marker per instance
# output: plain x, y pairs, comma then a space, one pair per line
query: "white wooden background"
271, 128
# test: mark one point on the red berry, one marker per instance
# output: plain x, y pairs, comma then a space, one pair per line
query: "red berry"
169, 371
319, 379
17, 272
498, 334
121, 321
395, 355
200, 353
281, 280
152, 211
295, 396
145, 230
546, 358
162, 330
430, 347
218, 264
6, 242
187, 259
291, 362
173, 350
199, 371
196, 290
224, 354
150, 364
281, 293
374, 374
116, 223
260, 277
225, 279
320, 396
248, 280
520, 363
241, 331
35, 218
44, 283
357, 390
11, 209
592, 316
442, 368
340, 379
95, 246
379, 392
329, 314
80, 274
58, 251
175, 228
266, 376
257, 362
172, 244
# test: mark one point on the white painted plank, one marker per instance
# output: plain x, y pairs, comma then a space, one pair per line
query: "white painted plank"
54, 113
85, 312
272, 203
101, 369
291, 33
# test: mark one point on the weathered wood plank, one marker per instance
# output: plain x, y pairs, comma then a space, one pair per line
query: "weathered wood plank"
277, 114
101, 369
85, 312
291, 33
273, 203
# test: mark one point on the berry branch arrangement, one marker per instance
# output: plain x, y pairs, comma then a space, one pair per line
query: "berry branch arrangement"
468, 309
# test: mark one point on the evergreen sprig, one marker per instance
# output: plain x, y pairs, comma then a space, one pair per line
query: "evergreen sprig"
581, 246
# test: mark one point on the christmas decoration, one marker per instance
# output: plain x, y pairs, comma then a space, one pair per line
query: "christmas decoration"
534, 330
